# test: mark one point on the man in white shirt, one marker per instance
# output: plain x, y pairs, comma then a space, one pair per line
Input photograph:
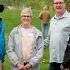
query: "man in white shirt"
58, 34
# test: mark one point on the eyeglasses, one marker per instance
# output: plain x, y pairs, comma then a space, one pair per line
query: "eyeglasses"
25, 16
58, 3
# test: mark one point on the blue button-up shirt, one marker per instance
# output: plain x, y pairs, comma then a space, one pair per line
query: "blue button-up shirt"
58, 34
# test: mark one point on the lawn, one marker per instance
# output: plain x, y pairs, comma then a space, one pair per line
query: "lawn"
11, 18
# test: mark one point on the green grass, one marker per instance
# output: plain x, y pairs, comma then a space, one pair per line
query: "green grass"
11, 18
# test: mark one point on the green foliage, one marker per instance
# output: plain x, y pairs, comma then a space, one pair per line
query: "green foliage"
10, 19
44, 64
35, 4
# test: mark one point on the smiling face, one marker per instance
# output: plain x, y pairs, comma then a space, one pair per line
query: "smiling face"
26, 17
59, 7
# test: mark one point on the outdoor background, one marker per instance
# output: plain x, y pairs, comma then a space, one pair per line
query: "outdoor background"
11, 18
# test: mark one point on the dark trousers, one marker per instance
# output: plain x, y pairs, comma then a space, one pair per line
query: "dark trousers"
55, 66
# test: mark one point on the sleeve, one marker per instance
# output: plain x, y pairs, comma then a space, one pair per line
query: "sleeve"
2, 42
41, 15
36, 59
11, 53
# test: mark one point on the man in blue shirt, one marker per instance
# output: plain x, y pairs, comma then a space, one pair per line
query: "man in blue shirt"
2, 40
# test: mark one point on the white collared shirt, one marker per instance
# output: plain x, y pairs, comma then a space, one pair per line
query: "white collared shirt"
59, 32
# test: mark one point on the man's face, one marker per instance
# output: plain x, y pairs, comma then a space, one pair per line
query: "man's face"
59, 6
26, 18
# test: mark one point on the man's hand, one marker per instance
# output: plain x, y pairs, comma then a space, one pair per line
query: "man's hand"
28, 66
20, 66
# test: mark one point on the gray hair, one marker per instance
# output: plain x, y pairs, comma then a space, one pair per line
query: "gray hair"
26, 10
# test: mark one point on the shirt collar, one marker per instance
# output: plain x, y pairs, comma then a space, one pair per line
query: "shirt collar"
63, 16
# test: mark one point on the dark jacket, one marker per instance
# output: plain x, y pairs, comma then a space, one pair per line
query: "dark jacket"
66, 60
